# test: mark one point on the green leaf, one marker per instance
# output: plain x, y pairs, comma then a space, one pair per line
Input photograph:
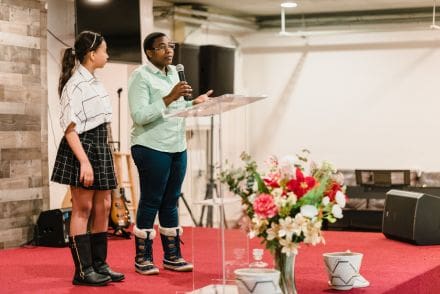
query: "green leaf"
314, 196
261, 185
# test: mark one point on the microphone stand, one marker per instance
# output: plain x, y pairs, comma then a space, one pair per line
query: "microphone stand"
118, 230
211, 186
118, 142
119, 118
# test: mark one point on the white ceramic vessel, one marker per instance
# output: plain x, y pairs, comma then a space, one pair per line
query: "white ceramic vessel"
343, 269
257, 281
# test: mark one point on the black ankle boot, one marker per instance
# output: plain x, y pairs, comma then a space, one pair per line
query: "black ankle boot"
82, 257
143, 261
98, 242
171, 247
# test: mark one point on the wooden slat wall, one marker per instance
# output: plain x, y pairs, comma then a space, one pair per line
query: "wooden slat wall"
24, 191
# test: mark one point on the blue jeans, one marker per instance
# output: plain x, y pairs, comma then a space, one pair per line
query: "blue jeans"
161, 176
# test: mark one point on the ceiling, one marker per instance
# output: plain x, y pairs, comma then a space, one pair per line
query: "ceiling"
272, 7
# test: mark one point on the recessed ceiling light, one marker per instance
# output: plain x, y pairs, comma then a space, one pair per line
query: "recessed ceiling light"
97, 1
289, 5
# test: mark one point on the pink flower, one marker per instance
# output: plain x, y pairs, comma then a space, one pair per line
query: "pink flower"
272, 180
264, 206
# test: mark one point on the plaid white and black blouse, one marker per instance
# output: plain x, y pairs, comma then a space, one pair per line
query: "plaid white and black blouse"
85, 102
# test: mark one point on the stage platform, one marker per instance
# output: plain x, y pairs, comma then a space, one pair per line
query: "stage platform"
390, 266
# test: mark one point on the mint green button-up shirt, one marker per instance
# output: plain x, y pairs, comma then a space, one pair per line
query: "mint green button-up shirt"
146, 88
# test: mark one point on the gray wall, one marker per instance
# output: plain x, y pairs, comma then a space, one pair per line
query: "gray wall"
23, 119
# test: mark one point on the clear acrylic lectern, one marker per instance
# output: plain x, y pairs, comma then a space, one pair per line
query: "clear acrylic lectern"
227, 248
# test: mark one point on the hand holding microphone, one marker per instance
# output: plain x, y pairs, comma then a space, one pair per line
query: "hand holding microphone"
184, 89
182, 78
202, 98
180, 89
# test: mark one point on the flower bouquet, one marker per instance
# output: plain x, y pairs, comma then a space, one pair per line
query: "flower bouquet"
286, 205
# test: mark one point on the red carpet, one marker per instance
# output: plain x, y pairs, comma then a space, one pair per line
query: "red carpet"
390, 266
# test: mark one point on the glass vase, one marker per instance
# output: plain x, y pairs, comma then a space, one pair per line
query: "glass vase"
286, 265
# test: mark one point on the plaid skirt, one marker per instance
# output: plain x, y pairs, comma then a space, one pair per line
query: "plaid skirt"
67, 167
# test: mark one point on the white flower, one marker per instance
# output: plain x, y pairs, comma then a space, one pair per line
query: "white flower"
313, 239
287, 166
272, 162
309, 211
301, 222
258, 223
289, 247
272, 232
338, 178
252, 197
277, 192
337, 211
313, 233
288, 227
280, 202
291, 198
325, 200
252, 234
340, 199
299, 219
255, 186
309, 168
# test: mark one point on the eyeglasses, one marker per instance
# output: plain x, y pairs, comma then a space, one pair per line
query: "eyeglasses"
165, 47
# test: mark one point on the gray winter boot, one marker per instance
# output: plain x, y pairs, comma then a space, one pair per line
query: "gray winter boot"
143, 261
173, 259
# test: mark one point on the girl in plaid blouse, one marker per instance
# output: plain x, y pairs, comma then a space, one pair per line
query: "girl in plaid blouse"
84, 160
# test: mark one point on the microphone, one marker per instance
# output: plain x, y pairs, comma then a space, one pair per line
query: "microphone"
182, 78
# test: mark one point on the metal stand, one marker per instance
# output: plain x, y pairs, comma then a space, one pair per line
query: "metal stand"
117, 158
120, 232
189, 209
118, 143
211, 186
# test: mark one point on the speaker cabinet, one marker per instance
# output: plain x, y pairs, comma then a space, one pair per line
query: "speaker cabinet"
217, 69
52, 228
188, 56
412, 217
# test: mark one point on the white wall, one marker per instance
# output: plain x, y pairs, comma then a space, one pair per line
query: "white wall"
60, 21
360, 100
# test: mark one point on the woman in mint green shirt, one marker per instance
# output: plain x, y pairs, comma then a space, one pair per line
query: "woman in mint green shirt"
158, 147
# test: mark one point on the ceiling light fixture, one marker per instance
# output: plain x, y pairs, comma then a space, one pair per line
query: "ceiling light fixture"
433, 25
97, 1
289, 5
285, 5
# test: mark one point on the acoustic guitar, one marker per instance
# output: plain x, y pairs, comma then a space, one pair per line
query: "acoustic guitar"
119, 214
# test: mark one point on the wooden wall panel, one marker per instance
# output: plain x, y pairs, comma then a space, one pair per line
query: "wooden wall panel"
23, 119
